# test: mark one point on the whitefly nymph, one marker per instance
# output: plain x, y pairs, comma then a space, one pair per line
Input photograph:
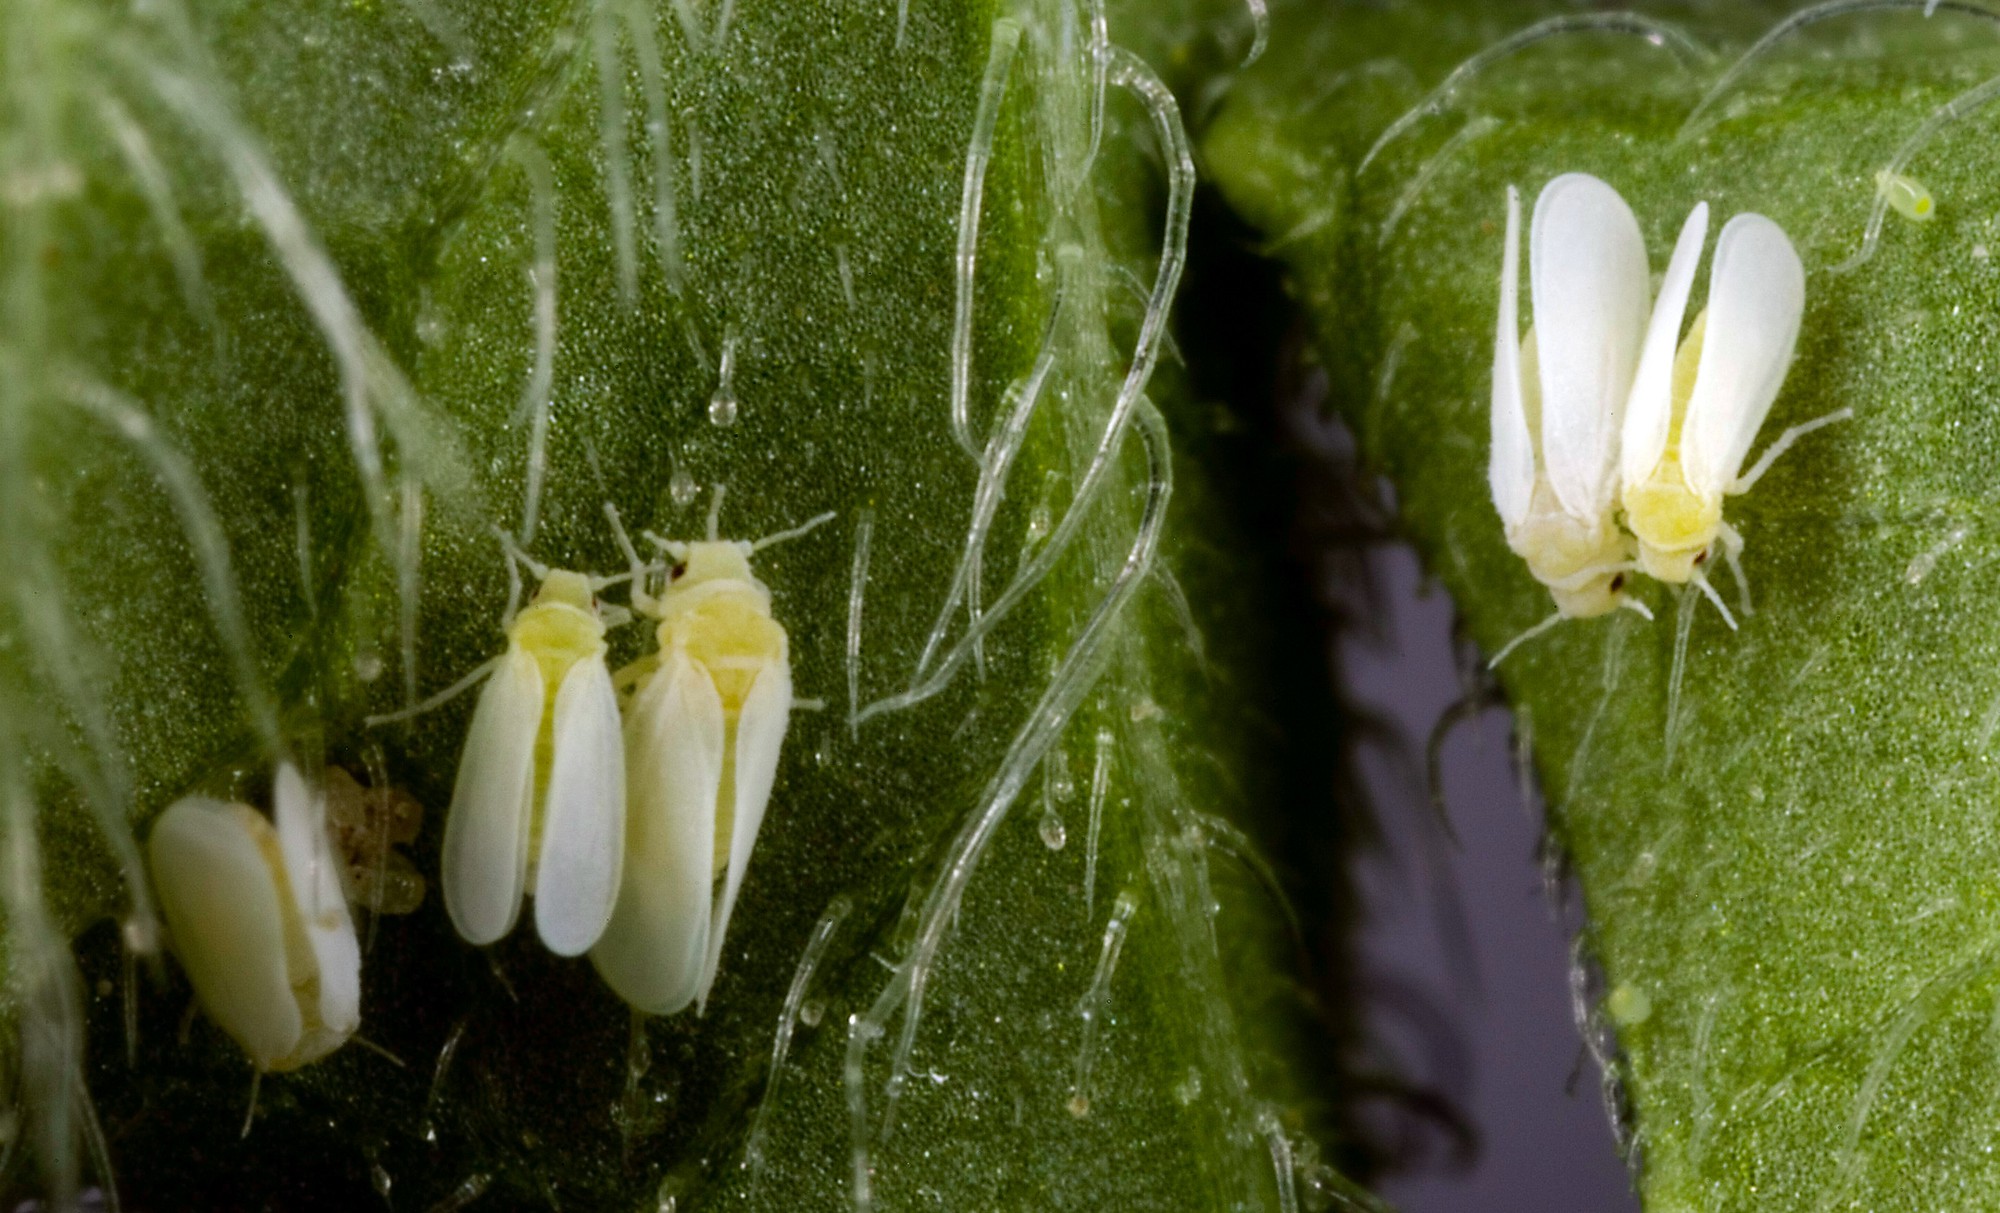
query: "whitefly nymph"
1559, 392
257, 917
539, 803
1698, 402
703, 731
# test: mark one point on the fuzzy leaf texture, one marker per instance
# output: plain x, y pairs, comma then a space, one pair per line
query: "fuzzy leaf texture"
1785, 836
303, 301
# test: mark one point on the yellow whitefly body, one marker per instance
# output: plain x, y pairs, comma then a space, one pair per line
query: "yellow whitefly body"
558, 629
1674, 524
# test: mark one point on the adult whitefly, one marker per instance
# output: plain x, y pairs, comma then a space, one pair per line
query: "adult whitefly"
1559, 392
538, 806
703, 733
1698, 402
256, 915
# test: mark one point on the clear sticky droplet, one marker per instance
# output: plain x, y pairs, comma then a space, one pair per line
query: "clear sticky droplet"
682, 486
722, 409
1052, 831
1061, 786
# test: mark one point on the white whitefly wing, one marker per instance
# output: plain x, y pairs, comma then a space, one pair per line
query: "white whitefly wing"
652, 951
485, 863
1587, 270
760, 734
1511, 465
583, 813
300, 812
221, 904
1650, 409
1756, 296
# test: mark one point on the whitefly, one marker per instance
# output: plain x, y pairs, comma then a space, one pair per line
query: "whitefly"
704, 727
539, 803
1698, 401
1559, 392
257, 917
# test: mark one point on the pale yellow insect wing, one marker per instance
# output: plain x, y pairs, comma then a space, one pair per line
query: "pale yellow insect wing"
322, 903
1591, 290
214, 880
1510, 469
653, 950
1649, 410
760, 734
1756, 297
484, 867
583, 815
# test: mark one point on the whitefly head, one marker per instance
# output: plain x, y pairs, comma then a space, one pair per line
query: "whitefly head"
1697, 404
256, 915
1559, 393
563, 623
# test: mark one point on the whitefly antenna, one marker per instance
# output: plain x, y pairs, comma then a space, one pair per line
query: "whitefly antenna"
642, 598
516, 561
515, 554
513, 594
715, 513
804, 528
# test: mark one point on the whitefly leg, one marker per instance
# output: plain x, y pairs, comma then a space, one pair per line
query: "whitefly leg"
1701, 582
1784, 443
1523, 638
1732, 555
641, 599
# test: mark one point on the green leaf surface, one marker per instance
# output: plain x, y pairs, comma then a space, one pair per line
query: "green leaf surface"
294, 295
1785, 834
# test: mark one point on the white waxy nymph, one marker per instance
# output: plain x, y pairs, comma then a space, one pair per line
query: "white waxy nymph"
703, 731
539, 805
1559, 393
1693, 414
257, 917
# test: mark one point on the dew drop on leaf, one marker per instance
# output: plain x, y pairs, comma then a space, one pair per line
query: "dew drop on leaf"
682, 486
722, 408
1051, 830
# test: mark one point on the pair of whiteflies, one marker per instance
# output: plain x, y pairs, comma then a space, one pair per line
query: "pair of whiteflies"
632, 825
1615, 440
